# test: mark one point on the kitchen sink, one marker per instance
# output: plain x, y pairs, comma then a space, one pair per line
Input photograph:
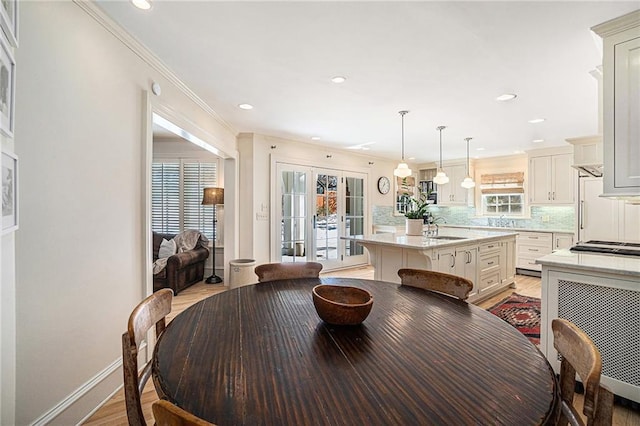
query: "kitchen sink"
447, 237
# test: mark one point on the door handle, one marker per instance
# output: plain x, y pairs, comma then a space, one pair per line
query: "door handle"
553, 195
581, 214
314, 221
549, 195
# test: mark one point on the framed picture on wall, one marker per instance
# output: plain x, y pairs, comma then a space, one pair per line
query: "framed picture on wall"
7, 88
9, 192
9, 20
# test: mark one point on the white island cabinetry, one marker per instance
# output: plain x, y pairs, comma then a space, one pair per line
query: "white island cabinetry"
601, 295
481, 256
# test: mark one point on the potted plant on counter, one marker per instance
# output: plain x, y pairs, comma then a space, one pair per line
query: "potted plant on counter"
415, 213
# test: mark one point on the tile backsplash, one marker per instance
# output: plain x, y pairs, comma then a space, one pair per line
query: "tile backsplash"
559, 218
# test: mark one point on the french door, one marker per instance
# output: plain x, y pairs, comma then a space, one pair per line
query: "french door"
316, 208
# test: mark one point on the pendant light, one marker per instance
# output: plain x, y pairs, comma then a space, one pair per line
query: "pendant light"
441, 177
468, 182
403, 169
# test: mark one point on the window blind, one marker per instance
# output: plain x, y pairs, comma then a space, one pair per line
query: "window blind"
502, 183
176, 196
165, 197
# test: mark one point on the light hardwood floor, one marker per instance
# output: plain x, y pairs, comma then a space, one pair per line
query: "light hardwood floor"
113, 412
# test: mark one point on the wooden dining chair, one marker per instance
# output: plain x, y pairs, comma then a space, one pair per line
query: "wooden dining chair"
440, 282
168, 414
580, 355
283, 271
151, 311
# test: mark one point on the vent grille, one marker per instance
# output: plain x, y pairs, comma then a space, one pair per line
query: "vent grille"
611, 317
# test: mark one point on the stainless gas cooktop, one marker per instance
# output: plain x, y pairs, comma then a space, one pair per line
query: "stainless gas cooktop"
608, 247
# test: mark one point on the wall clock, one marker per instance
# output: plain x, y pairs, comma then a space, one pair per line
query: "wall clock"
384, 185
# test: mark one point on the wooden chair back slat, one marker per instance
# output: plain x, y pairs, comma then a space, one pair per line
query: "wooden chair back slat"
282, 271
580, 355
151, 311
168, 414
440, 282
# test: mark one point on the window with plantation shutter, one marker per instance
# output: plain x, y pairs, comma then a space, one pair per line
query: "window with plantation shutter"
176, 192
165, 197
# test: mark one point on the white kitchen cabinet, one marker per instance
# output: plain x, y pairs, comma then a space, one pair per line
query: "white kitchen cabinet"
562, 240
489, 268
530, 246
551, 179
621, 104
507, 261
605, 219
467, 264
452, 193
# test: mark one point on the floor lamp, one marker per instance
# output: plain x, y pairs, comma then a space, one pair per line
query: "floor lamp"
213, 197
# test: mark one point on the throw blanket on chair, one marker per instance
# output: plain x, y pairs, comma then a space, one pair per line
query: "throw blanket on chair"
185, 241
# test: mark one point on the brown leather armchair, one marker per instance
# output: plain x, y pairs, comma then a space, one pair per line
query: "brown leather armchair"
183, 269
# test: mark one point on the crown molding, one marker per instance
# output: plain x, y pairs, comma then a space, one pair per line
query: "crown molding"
143, 52
616, 25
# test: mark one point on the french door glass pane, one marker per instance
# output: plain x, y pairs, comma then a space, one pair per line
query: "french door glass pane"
354, 213
293, 233
326, 217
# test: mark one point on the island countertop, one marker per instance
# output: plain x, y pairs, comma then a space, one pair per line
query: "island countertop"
622, 265
458, 237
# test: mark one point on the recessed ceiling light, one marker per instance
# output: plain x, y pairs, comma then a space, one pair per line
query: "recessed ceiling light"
518, 152
479, 149
142, 4
315, 138
338, 79
245, 106
412, 158
506, 97
536, 120
538, 140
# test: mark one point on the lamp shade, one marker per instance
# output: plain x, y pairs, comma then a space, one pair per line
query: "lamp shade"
402, 170
441, 178
212, 196
468, 183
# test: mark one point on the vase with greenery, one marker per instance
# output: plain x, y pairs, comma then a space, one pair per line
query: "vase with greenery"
416, 209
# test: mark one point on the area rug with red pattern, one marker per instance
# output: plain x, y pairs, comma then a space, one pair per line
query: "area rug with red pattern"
522, 312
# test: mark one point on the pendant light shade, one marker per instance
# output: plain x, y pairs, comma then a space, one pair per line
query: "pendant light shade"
441, 177
468, 182
403, 169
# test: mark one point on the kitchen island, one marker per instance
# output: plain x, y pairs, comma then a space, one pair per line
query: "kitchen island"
487, 258
600, 293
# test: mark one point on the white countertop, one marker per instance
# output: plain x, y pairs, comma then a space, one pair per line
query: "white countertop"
623, 265
500, 228
422, 242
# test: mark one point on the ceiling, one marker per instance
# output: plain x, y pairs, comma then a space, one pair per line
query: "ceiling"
445, 62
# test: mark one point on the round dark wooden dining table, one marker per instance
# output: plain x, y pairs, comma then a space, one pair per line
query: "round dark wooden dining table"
260, 355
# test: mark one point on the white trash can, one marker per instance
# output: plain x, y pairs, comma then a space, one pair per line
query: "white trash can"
241, 272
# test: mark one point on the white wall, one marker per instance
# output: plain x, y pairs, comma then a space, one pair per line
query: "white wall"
79, 251
256, 182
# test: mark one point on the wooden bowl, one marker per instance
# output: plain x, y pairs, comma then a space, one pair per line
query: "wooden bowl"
340, 305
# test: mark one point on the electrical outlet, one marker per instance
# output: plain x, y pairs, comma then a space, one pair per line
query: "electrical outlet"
545, 218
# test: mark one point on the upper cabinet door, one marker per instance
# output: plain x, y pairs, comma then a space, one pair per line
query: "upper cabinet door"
621, 105
551, 179
540, 180
563, 179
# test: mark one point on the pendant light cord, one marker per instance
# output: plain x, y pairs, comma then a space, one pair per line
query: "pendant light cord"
440, 129
468, 139
402, 113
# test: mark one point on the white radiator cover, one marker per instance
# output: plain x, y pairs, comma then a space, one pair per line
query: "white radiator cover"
608, 310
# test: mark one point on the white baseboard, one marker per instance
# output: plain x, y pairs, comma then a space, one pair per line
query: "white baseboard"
84, 401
